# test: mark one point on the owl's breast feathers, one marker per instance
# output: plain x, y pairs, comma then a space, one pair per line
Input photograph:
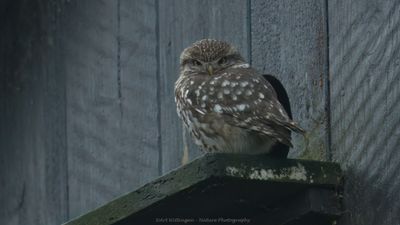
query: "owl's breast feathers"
239, 97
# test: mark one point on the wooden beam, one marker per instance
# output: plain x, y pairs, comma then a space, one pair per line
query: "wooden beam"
311, 206
218, 186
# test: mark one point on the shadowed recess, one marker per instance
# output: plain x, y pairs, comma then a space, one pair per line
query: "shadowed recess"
279, 149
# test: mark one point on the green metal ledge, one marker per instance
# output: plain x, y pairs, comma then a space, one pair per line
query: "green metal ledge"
230, 189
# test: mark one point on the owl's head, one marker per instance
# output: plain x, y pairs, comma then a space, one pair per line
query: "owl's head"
209, 56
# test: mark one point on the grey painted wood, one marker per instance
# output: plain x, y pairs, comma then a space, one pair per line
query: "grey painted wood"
180, 24
364, 40
110, 66
33, 175
87, 108
288, 40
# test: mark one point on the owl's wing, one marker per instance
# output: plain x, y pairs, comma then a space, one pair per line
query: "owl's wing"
254, 106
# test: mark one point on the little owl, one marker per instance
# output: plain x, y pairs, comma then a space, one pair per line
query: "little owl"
226, 105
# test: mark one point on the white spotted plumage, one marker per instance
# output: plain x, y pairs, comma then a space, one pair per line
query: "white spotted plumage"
230, 107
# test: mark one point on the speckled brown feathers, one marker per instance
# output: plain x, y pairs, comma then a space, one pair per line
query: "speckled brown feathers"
206, 50
233, 109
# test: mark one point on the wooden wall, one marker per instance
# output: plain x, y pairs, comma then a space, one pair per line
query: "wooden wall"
288, 39
33, 166
364, 60
86, 100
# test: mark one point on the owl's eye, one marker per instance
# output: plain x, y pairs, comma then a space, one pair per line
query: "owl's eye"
195, 62
223, 60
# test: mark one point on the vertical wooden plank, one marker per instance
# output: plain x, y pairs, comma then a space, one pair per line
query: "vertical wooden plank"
32, 116
110, 65
288, 40
180, 24
364, 40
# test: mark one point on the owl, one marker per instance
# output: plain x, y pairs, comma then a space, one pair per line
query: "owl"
227, 106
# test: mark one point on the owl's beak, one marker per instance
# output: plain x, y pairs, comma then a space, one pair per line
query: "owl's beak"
210, 70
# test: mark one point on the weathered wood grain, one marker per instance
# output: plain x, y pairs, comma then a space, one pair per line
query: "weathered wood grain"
87, 108
288, 40
110, 65
180, 24
364, 41
33, 168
